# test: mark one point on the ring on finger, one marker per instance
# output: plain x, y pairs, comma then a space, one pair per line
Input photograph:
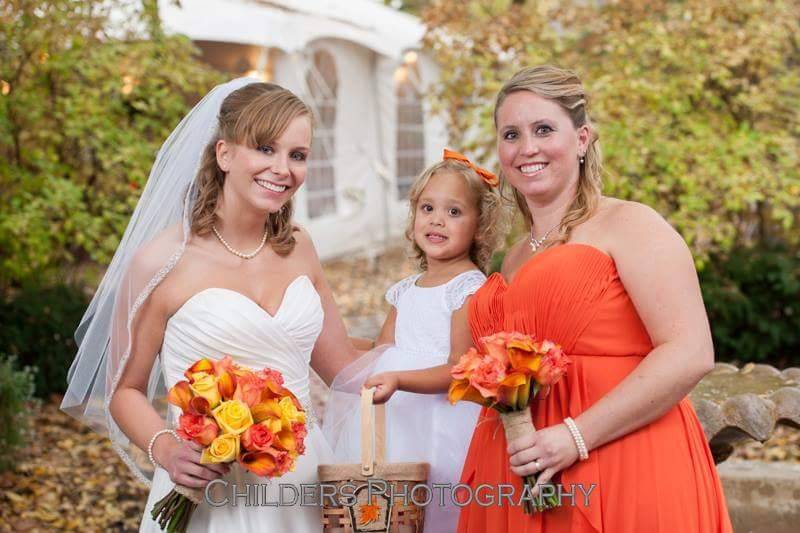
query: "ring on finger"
537, 464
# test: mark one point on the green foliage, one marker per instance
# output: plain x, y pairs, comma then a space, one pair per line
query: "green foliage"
697, 101
38, 328
87, 107
16, 394
753, 303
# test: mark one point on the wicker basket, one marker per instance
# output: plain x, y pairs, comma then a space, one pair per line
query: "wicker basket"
355, 514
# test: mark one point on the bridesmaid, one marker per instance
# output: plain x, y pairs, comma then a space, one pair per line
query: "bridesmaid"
616, 286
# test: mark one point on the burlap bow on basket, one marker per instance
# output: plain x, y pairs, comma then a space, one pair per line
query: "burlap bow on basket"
360, 495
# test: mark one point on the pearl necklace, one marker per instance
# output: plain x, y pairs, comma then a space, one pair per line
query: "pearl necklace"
537, 243
236, 252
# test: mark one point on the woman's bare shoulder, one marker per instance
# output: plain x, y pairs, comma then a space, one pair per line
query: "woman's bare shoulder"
629, 217
304, 256
154, 253
634, 228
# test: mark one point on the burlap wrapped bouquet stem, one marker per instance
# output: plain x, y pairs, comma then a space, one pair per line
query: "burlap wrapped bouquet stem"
194, 495
515, 425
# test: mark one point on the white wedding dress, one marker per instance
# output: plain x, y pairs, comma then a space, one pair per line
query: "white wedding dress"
419, 427
216, 322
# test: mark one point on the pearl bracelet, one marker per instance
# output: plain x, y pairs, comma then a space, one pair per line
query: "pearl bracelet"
153, 441
583, 453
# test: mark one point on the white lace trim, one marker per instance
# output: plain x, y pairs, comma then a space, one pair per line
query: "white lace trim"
397, 290
151, 285
311, 415
460, 287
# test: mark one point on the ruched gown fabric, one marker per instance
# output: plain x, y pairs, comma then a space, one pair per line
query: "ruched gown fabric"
217, 322
659, 478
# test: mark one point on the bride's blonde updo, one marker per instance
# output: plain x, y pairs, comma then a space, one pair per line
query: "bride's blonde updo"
564, 88
254, 115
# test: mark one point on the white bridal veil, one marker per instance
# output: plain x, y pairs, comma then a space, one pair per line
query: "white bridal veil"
153, 243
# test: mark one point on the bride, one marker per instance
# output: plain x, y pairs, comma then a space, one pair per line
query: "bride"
211, 264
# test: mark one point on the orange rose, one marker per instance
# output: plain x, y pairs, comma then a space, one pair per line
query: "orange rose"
496, 348
268, 374
284, 462
197, 428
300, 433
554, 366
488, 376
467, 363
248, 389
258, 438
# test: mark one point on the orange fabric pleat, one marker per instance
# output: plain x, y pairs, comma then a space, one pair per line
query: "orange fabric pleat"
659, 478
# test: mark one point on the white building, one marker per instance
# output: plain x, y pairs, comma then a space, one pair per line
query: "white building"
358, 64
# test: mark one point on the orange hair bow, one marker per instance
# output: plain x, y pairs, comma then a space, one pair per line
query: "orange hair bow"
490, 178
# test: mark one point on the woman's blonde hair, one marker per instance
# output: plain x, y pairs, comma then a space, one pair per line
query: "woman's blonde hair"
563, 87
253, 116
492, 219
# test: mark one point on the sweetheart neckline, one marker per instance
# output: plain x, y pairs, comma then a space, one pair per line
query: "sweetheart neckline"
247, 298
532, 259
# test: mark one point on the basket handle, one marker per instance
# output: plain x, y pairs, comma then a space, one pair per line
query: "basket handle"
373, 433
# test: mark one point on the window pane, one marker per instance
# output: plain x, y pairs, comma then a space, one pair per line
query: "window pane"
410, 137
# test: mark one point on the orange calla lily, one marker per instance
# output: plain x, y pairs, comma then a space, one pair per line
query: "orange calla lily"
460, 390
521, 342
508, 390
180, 394
274, 390
203, 365
259, 463
226, 384
199, 406
524, 360
266, 409
285, 440
225, 364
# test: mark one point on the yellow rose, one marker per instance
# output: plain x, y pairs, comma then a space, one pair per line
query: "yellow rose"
233, 416
205, 385
223, 449
290, 413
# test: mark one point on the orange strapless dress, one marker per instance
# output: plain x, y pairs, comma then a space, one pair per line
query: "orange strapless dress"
659, 478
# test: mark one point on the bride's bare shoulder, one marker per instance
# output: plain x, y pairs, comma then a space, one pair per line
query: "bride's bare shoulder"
156, 252
304, 257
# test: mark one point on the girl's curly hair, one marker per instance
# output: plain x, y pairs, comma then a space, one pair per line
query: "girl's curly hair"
492, 213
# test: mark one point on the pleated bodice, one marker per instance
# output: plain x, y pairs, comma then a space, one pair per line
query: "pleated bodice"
572, 294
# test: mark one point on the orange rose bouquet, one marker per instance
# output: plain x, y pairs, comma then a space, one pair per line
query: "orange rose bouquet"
236, 414
512, 370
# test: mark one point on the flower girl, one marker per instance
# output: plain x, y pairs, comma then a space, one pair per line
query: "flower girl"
454, 226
